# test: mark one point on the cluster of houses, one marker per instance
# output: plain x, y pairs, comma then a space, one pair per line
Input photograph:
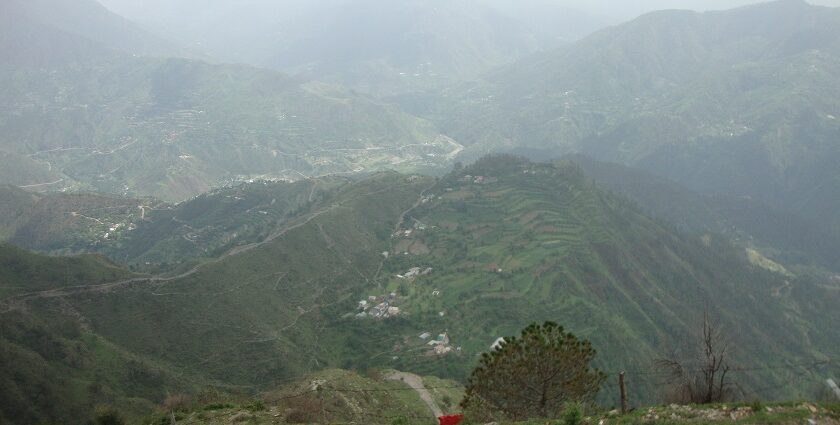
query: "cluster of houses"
417, 227
414, 272
441, 345
474, 179
381, 307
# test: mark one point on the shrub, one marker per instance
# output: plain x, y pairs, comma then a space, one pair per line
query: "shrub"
400, 421
255, 406
107, 415
177, 402
572, 414
304, 411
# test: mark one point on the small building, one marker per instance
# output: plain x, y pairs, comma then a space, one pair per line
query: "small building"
413, 272
393, 311
425, 335
497, 344
442, 349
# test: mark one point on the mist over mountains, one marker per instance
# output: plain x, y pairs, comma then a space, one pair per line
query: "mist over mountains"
216, 206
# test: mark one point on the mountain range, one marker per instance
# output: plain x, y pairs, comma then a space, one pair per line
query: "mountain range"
496, 245
173, 128
740, 102
375, 46
174, 226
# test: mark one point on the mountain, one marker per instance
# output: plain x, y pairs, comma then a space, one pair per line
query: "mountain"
787, 237
174, 128
62, 368
264, 329
475, 255
47, 32
376, 46
148, 234
740, 102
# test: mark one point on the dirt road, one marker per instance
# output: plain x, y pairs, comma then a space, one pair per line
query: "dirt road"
416, 383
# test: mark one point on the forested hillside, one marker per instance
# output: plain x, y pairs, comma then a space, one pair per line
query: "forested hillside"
496, 245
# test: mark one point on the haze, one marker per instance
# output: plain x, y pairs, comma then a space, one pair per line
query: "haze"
150, 10
339, 211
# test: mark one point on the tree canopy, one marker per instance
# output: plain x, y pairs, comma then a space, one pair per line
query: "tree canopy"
534, 375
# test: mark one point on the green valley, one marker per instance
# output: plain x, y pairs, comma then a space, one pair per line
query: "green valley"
392, 211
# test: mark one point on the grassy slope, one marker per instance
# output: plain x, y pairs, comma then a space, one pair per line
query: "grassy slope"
250, 320
62, 368
144, 231
231, 318
22, 272
344, 397
571, 253
567, 250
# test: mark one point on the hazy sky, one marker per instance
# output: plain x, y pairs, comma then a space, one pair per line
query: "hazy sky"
615, 9
630, 8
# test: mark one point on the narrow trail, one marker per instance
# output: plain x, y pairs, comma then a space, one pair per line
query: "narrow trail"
11, 302
41, 184
416, 383
399, 224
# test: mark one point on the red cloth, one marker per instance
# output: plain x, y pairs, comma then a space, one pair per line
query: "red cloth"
451, 419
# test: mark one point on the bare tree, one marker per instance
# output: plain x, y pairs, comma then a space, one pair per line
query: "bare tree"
702, 377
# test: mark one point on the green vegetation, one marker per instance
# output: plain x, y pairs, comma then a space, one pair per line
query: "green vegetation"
328, 396
174, 128
712, 101
784, 236
152, 235
542, 374
507, 242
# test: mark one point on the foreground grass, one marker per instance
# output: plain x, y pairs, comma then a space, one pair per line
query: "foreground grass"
739, 414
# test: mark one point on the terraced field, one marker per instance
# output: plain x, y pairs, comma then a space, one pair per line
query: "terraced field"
511, 242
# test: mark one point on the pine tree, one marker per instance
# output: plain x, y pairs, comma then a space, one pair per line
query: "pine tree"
535, 375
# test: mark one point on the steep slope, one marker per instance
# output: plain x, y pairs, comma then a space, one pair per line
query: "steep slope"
740, 102
59, 368
496, 246
790, 238
511, 242
65, 223
175, 128
253, 334
151, 235
47, 32
373, 45
255, 318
